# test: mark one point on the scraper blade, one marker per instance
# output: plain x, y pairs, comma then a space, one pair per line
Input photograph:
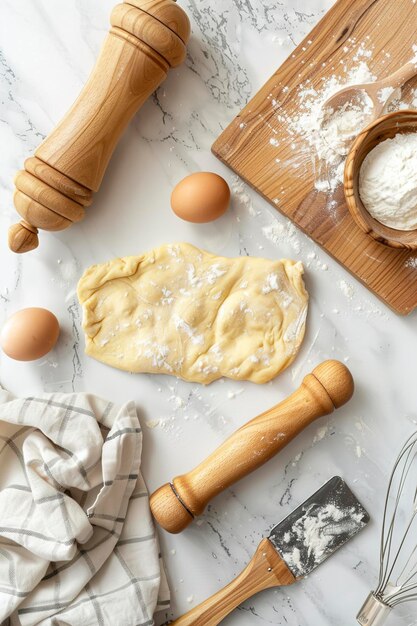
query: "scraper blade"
319, 527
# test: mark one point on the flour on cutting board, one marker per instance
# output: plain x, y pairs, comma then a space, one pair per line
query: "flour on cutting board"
411, 262
328, 134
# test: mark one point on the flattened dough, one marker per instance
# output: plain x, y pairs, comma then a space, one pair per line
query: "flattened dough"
182, 311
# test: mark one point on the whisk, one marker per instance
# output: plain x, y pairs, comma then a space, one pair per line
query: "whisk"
398, 556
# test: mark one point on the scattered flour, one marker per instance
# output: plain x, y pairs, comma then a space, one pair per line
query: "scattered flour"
181, 324
232, 394
339, 127
385, 93
321, 433
69, 270
313, 537
277, 233
157, 354
411, 262
347, 289
271, 284
240, 195
329, 133
297, 458
274, 232
167, 296
177, 401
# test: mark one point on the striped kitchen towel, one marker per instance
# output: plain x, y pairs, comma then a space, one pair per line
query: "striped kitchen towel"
77, 541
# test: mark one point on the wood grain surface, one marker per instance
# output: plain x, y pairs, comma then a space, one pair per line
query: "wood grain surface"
265, 570
390, 29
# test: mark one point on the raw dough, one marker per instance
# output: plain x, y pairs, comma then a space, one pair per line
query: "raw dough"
182, 311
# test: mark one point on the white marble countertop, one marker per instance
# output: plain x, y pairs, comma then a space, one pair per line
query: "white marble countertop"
47, 48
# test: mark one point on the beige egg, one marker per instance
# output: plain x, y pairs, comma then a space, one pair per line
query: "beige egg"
29, 334
200, 197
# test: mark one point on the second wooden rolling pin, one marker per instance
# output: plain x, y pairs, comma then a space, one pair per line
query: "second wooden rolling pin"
174, 505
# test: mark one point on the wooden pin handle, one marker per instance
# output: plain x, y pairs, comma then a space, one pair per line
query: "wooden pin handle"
175, 504
265, 570
147, 37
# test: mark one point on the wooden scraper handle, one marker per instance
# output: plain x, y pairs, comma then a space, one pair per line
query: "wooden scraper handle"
146, 39
174, 505
265, 570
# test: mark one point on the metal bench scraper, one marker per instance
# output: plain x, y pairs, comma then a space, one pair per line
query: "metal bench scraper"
294, 548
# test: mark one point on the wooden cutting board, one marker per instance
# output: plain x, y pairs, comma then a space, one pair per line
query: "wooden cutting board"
389, 28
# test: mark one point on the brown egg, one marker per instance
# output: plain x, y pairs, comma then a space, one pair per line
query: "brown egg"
200, 197
29, 334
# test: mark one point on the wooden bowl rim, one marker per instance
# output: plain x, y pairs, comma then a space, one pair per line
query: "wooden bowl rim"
405, 239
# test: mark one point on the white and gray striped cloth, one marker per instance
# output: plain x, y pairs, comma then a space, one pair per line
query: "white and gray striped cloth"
77, 541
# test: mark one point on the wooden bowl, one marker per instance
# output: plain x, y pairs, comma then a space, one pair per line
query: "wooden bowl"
383, 128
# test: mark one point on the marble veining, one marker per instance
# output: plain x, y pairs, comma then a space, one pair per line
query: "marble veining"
47, 48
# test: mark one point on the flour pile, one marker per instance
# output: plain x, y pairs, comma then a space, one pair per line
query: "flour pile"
330, 133
388, 182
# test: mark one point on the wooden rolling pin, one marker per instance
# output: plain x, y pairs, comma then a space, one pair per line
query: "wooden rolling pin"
147, 37
174, 505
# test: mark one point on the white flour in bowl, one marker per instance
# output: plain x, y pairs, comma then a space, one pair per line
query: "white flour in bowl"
388, 182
